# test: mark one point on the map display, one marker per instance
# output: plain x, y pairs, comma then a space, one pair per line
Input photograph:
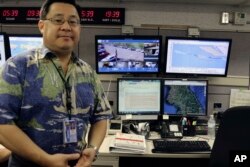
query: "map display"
198, 56
185, 99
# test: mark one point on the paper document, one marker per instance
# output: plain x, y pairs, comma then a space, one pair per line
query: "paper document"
239, 98
128, 143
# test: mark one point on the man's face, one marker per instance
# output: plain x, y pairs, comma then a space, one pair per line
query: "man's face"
60, 38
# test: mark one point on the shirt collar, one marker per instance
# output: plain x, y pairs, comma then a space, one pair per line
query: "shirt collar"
45, 52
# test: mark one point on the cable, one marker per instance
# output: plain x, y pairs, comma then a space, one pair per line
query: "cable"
107, 94
108, 89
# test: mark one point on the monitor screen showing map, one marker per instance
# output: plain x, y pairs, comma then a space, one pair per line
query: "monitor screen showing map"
185, 97
120, 54
21, 43
197, 56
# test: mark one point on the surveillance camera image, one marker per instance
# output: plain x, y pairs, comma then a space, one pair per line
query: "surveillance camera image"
128, 55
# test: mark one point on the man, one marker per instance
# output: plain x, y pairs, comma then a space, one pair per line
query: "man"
48, 96
4, 155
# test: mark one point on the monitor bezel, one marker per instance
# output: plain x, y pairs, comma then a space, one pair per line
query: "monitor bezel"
182, 115
139, 116
183, 75
22, 35
6, 46
149, 37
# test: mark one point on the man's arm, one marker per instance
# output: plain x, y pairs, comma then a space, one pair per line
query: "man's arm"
18, 142
97, 133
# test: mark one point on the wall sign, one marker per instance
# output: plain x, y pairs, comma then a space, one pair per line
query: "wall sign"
93, 16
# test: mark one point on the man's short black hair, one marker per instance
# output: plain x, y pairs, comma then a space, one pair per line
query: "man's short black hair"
46, 6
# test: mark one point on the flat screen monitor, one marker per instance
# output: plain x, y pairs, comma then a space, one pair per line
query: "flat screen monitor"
185, 97
197, 56
4, 48
127, 54
138, 98
23, 42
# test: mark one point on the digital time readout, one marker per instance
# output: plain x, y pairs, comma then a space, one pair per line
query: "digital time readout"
33, 13
113, 16
19, 15
10, 13
30, 15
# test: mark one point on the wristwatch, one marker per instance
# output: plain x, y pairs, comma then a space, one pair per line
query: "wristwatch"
96, 150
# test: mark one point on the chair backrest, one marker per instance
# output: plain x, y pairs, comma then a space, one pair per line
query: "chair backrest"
233, 135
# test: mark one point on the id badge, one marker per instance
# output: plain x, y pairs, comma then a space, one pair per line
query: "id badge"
69, 131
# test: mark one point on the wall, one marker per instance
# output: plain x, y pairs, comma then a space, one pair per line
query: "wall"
166, 14
171, 19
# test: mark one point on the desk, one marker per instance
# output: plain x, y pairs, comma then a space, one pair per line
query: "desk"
112, 159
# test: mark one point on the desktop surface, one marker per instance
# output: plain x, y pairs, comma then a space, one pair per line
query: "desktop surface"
104, 149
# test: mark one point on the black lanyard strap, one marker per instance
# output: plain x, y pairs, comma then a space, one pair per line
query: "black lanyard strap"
67, 89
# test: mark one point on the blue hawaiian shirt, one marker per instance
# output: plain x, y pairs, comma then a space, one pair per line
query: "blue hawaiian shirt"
33, 97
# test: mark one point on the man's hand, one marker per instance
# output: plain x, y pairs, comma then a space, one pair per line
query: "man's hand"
60, 160
87, 158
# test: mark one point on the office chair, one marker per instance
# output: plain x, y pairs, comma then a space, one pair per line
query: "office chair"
233, 135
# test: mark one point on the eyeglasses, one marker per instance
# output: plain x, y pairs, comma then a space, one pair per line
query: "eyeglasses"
72, 21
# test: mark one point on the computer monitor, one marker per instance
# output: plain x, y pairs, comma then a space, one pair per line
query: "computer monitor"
139, 98
197, 56
185, 97
4, 48
127, 54
23, 42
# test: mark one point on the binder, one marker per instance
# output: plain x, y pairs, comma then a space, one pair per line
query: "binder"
128, 143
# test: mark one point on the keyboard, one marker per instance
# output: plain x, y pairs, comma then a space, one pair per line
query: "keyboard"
166, 146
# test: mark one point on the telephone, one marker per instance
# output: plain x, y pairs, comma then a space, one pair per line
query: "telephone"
170, 131
115, 126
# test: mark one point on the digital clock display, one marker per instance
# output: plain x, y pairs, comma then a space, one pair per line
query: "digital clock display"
30, 15
19, 15
10, 13
113, 16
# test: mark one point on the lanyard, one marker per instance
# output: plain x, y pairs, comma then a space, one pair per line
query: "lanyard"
67, 89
